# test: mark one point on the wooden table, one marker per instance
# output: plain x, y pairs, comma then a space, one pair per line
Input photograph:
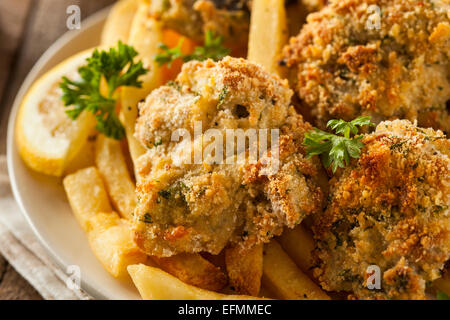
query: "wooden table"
27, 29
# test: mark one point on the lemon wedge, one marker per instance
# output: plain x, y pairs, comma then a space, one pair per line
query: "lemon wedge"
46, 137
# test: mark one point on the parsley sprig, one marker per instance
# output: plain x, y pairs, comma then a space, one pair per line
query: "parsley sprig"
335, 150
212, 49
116, 68
168, 55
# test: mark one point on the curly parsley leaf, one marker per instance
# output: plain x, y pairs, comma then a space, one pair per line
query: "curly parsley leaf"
212, 49
345, 128
335, 150
116, 68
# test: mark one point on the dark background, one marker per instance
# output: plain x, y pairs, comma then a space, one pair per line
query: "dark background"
27, 29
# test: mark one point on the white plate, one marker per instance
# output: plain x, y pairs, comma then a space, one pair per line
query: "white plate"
42, 199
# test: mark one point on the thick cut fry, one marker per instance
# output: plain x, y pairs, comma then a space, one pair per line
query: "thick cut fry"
111, 240
244, 268
298, 244
110, 237
87, 195
145, 35
193, 269
118, 24
155, 284
113, 168
268, 33
283, 278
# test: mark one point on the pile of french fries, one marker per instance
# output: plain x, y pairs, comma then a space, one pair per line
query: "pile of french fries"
101, 187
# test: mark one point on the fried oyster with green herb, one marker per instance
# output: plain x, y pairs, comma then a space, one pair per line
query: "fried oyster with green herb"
192, 18
388, 59
190, 206
389, 208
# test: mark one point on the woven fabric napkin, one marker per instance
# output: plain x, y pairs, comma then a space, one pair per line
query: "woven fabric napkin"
21, 248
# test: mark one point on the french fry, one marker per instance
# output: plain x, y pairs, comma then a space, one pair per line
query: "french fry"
193, 269
298, 244
244, 268
155, 284
268, 33
110, 237
87, 195
113, 168
145, 35
283, 278
111, 240
118, 24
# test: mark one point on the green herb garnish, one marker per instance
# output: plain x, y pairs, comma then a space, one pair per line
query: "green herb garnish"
116, 68
336, 149
212, 49
168, 55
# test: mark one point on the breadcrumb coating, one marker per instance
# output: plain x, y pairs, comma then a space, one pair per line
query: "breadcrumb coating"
205, 206
389, 208
345, 64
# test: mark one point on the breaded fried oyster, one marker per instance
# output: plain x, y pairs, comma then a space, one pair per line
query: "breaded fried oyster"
387, 59
189, 206
389, 208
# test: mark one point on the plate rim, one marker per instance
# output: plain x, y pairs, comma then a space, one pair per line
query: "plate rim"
90, 21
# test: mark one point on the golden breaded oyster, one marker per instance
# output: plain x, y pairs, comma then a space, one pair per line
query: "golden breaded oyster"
190, 206
389, 208
388, 59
